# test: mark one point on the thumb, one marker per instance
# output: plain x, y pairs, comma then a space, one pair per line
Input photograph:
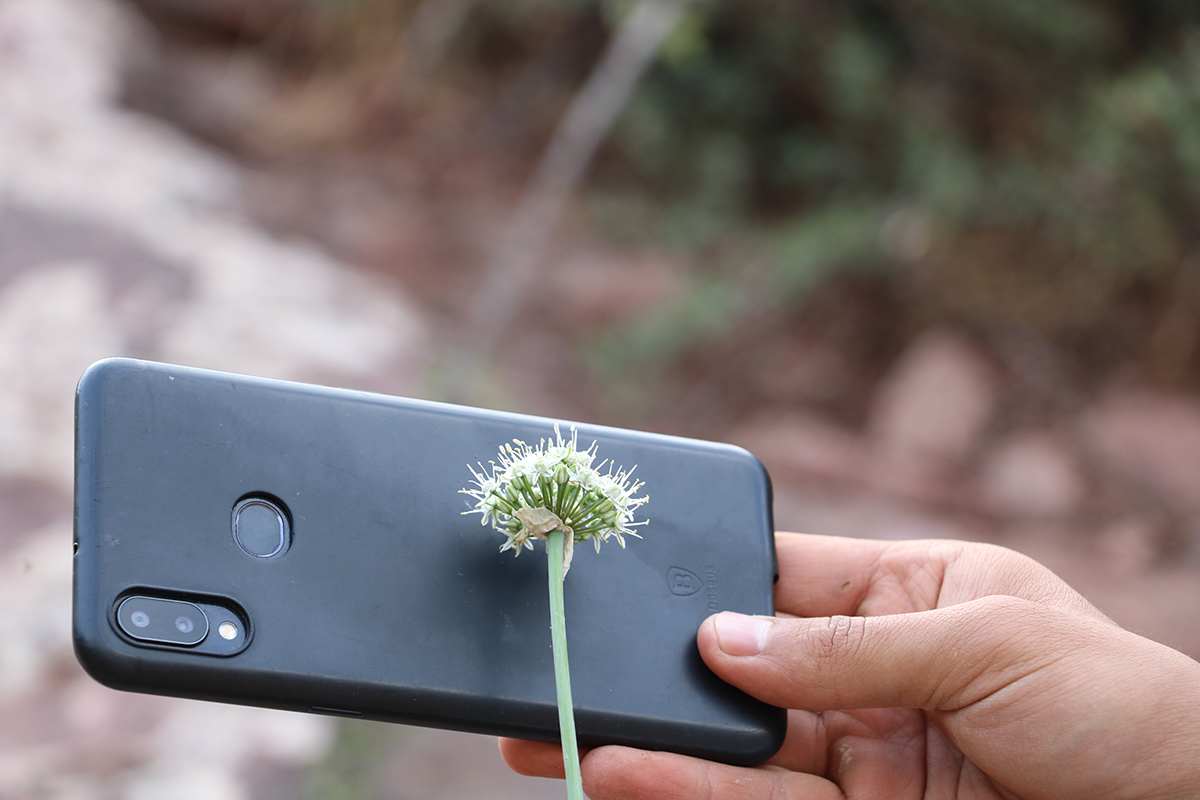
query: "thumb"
938, 660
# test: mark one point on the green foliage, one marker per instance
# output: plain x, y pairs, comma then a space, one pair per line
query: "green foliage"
836, 236
1064, 135
705, 313
1049, 150
346, 772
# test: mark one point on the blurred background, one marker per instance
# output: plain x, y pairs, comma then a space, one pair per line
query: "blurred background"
936, 263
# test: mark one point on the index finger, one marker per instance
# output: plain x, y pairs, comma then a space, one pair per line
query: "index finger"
823, 576
826, 576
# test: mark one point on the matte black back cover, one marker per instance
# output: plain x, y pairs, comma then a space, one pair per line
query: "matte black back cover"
390, 603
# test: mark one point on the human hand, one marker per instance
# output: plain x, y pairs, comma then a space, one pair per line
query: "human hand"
928, 669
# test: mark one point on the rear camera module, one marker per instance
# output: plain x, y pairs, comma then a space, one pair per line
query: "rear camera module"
161, 619
156, 619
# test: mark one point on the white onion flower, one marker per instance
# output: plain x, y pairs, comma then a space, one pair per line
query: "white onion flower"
551, 492
555, 477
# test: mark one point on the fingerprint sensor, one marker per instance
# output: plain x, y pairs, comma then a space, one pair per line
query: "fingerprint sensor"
260, 527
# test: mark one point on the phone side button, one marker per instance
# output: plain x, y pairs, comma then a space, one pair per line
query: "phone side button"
334, 712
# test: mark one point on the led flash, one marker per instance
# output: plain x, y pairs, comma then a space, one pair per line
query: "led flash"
228, 630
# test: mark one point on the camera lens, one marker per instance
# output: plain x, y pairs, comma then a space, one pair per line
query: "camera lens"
163, 621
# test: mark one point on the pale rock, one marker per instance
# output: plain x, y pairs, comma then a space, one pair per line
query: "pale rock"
26, 773
1161, 603
1151, 440
803, 445
1030, 474
216, 93
862, 514
64, 142
448, 765
798, 445
1189, 550
185, 782
54, 322
200, 751
231, 734
1128, 545
601, 286
281, 309
35, 593
239, 299
91, 709
75, 73
260, 306
934, 403
808, 372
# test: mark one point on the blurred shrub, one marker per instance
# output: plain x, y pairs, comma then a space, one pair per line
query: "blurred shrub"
1028, 163
1022, 163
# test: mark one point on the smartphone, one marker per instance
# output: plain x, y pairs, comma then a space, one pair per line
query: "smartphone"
279, 544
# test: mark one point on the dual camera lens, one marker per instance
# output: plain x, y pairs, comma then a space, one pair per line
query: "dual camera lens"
156, 619
183, 623
210, 626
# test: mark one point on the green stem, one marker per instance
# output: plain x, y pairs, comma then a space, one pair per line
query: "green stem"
562, 673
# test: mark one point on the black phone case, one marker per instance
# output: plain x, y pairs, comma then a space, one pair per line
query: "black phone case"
391, 604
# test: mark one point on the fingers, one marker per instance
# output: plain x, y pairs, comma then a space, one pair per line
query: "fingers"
536, 759
622, 773
804, 749
934, 660
826, 576
820, 576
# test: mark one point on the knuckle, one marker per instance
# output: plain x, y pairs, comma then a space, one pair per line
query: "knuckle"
840, 637
1000, 612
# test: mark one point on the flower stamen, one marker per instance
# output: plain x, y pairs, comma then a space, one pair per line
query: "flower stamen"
556, 478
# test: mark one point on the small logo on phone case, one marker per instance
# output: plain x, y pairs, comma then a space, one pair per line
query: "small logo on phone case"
683, 582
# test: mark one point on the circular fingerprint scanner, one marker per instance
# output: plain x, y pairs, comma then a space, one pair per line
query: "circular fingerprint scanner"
260, 527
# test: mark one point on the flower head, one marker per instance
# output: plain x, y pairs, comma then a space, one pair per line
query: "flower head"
555, 477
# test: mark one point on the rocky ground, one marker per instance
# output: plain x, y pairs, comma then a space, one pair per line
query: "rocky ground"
1106, 495
122, 235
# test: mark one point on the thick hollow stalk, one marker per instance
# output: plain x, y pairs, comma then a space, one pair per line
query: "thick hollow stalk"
562, 672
